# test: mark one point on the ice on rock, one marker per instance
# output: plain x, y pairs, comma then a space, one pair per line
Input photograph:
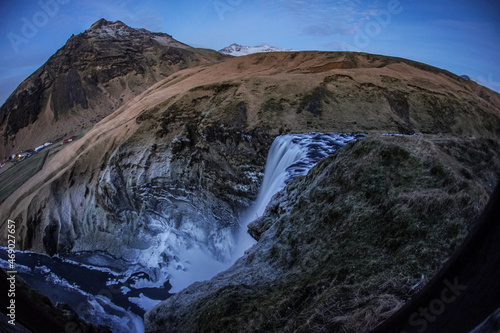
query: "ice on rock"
144, 302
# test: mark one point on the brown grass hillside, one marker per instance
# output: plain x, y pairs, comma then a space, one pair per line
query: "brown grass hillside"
341, 250
277, 93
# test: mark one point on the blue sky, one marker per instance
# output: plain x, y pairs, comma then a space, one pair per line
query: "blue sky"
461, 36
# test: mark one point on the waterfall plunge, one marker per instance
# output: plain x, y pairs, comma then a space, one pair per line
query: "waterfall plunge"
290, 155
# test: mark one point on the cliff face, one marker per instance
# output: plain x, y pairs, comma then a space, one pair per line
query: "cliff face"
89, 78
120, 197
201, 136
344, 247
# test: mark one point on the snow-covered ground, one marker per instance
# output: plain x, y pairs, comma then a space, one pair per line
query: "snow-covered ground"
241, 50
95, 293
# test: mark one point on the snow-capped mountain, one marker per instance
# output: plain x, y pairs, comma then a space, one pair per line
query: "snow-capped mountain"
241, 50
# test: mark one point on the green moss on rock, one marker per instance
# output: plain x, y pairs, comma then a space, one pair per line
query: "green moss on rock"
340, 249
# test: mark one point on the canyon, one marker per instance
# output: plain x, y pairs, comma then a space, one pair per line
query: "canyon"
172, 152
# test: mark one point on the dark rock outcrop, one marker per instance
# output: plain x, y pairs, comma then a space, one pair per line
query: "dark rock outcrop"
90, 77
344, 247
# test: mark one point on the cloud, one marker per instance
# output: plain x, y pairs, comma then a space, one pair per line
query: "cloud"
322, 30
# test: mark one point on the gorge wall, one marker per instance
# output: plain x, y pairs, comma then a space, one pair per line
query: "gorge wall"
344, 247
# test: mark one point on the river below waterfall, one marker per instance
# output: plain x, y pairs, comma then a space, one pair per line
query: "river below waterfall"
101, 289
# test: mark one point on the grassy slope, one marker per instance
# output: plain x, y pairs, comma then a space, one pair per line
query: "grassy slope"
15, 176
387, 195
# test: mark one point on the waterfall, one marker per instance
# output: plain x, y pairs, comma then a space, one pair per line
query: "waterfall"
134, 286
284, 152
290, 155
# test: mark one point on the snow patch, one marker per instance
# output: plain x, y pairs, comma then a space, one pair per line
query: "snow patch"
240, 50
144, 302
125, 290
104, 312
5, 265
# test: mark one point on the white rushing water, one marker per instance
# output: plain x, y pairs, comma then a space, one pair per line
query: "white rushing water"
291, 155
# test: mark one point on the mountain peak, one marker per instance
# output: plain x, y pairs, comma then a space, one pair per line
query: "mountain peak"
126, 60
241, 50
117, 30
105, 23
105, 28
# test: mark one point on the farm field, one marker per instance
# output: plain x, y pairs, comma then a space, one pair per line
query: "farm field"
16, 175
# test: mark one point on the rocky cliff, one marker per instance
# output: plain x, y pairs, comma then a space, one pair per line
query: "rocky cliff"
87, 79
343, 248
201, 136
174, 167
